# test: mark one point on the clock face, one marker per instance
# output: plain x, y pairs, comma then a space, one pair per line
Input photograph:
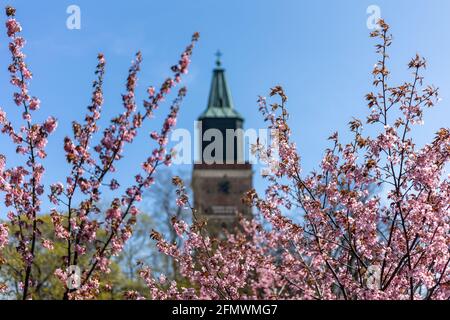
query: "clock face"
224, 187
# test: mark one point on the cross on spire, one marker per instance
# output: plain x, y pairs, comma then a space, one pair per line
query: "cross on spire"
218, 56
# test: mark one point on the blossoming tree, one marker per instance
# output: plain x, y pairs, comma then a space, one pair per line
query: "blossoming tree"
345, 242
79, 224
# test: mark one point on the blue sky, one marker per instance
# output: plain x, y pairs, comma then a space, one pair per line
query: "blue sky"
318, 50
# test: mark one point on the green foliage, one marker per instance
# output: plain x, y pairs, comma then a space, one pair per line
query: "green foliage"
48, 287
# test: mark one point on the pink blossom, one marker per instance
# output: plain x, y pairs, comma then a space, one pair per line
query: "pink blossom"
3, 235
113, 213
154, 135
151, 91
13, 27
34, 104
50, 125
47, 244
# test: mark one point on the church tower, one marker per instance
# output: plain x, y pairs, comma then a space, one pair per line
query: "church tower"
221, 176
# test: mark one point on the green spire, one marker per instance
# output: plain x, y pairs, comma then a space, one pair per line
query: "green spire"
220, 103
